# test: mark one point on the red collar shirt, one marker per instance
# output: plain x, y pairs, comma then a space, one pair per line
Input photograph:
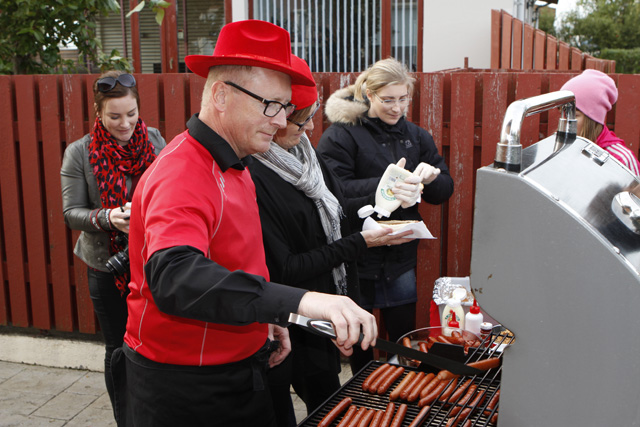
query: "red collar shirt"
199, 283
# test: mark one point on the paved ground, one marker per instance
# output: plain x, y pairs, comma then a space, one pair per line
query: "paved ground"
33, 396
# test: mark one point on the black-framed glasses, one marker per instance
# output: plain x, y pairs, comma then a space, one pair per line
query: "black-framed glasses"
301, 125
271, 108
106, 84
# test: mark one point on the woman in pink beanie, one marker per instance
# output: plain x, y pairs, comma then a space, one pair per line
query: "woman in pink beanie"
595, 95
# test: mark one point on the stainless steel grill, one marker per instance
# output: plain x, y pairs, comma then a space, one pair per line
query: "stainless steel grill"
556, 255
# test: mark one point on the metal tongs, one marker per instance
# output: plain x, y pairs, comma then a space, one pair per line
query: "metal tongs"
325, 328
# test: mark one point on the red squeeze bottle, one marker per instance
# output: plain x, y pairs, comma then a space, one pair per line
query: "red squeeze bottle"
453, 323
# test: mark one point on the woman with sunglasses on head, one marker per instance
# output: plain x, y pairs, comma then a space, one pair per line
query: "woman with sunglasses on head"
99, 174
310, 243
368, 131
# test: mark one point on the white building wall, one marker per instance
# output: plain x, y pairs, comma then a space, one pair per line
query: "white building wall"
455, 29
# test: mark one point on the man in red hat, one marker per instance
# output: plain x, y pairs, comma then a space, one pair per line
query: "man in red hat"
202, 313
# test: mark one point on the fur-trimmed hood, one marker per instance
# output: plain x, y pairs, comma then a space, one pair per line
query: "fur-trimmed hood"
341, 107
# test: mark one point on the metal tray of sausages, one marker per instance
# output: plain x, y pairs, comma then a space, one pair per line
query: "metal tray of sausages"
440, 413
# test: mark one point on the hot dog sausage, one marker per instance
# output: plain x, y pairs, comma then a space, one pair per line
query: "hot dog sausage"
357, 417
449, 390
429, 398
429, 387
423, 347
406, 342
388, 415
395, 394
464, 400
453, 421
400, 414
366, 419
347, 417
373, 388
443, 339
483, 365
409, 388
384, 385
377, 419
415, 393
337, 410
373, 375
463, 387
492, 403
419, 419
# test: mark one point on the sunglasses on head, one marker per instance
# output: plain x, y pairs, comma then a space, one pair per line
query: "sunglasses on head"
108, 83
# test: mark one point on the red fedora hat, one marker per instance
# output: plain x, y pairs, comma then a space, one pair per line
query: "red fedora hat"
302, 96
252, 43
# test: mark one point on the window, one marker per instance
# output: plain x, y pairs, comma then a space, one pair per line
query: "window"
344, 35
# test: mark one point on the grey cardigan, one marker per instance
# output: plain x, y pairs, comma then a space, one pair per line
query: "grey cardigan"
80, 195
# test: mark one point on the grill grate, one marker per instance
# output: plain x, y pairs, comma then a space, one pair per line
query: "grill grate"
488, 384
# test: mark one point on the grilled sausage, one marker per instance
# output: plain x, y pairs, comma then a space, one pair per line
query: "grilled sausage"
357, 417
373, 388
400, 414
373, 375
430, 386
406, 341
494, 418
464, 400
395, 394
463, 387
423, 347
453, 421
377, 419
478, 399
337, 410
422, 415
415, 393
388, 381
449, 390
409, 388
347, 417
483, 365
429, 398
492, 403
366, 418
388, 415
443, 339
456, 338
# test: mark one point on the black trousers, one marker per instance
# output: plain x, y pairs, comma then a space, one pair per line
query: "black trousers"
111, 310
154, 394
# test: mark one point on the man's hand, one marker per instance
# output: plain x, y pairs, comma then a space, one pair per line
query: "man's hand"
349, 320
281, 334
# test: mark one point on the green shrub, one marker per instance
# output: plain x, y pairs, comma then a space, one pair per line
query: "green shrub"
627, 60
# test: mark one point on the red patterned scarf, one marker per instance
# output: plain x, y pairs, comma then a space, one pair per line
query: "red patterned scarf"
111, 163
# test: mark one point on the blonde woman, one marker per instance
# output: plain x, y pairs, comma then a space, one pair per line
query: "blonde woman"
368, 131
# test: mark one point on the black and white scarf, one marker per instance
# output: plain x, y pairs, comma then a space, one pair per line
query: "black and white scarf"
299, 167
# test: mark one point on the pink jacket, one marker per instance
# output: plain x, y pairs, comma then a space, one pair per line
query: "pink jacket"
617, 148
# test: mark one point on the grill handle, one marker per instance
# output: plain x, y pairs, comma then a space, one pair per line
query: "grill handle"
509, 150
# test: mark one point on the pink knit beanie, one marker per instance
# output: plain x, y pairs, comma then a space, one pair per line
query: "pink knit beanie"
595, 94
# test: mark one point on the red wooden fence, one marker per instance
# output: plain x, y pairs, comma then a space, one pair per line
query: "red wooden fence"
43, 285
519, 46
